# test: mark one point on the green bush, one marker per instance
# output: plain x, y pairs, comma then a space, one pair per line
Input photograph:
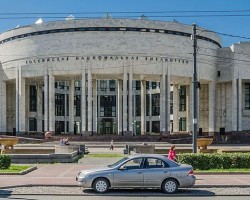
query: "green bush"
216, 161
5, 161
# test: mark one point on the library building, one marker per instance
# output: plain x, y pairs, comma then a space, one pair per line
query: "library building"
121, 77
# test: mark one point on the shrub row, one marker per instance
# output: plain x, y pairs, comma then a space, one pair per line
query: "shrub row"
5, 161
216, 161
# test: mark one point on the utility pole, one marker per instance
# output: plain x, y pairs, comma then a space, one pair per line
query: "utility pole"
195, 96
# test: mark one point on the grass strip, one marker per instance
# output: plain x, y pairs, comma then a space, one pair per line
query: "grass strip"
104, 155
15, 168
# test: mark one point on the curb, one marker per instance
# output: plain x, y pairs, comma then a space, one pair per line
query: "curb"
70, 186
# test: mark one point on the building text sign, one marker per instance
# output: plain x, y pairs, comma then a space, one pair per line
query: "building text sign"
105, 58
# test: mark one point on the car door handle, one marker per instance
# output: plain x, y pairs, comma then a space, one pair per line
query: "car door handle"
165, 171
139, 173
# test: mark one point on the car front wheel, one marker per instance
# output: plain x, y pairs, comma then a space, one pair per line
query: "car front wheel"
101, 185
170, 186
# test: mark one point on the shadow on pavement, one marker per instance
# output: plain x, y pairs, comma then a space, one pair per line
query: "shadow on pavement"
5, 193
151, 192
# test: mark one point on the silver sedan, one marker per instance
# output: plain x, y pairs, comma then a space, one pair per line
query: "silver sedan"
139, 171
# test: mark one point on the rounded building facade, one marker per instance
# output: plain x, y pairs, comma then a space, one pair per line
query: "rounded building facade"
106, 76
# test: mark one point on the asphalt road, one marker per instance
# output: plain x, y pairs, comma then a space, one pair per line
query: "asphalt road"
52, 197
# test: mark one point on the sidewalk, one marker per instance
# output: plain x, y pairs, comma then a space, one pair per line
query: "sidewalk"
59, 179
63, 174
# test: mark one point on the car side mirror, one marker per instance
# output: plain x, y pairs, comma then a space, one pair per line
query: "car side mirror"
122, 167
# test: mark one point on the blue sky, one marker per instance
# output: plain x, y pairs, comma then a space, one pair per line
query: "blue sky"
233, 25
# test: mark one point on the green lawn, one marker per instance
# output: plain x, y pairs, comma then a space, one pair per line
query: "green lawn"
15, 168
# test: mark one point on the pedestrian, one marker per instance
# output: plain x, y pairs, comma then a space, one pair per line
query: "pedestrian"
171, 154
111, 145
66, 141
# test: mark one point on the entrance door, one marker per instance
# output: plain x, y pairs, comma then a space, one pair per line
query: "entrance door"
107, 126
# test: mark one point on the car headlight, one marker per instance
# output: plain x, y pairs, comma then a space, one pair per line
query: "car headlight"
82, 175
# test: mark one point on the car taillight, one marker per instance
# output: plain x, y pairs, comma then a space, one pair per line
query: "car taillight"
191, 172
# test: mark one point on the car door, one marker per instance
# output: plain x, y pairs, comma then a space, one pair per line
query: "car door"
155, 171
130, 174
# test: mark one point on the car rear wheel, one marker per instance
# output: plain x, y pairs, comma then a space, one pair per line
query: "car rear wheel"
170, 186
101, 185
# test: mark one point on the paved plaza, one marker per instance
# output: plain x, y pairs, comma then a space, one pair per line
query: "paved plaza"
59, 178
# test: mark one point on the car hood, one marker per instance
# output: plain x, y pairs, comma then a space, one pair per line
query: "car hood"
98, 169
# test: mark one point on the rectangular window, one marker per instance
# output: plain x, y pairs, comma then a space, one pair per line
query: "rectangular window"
156, 126
247, 96
155, 104
147, 104
32, 124
182, 97
33, 98
112, 85
59, 104
77, 105
138, 105
103, 85
138, 85
108, 106
182, 124
171, 103
154, 85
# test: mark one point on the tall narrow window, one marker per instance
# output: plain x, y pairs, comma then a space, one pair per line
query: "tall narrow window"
32, 124
33, 99
77, 105
103, 85
112, 85
182, 96
247, 96
60, 104
155, 104
182, 124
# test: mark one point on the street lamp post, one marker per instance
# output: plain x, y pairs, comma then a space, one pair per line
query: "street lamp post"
195, 96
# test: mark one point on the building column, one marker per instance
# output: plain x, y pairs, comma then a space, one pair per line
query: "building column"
17, 100
239, 105
143, 107
90, 114
223, 104
94, 106
124, 102
167, 107
46, 102
119, 106
22, 106
83, 102
150, 106
175, 108
71, 106
163, 101
39, 108
3, 107
130, 100
52, 103
20, 102
211, 106
234, 105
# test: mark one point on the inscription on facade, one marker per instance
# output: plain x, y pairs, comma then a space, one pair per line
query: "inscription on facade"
105, 58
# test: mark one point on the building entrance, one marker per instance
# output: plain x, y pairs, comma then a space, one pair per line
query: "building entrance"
107, 126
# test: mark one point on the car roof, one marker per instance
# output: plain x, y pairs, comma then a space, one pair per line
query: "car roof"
147, 155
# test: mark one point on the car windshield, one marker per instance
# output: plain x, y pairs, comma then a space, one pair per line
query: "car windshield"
118, 162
